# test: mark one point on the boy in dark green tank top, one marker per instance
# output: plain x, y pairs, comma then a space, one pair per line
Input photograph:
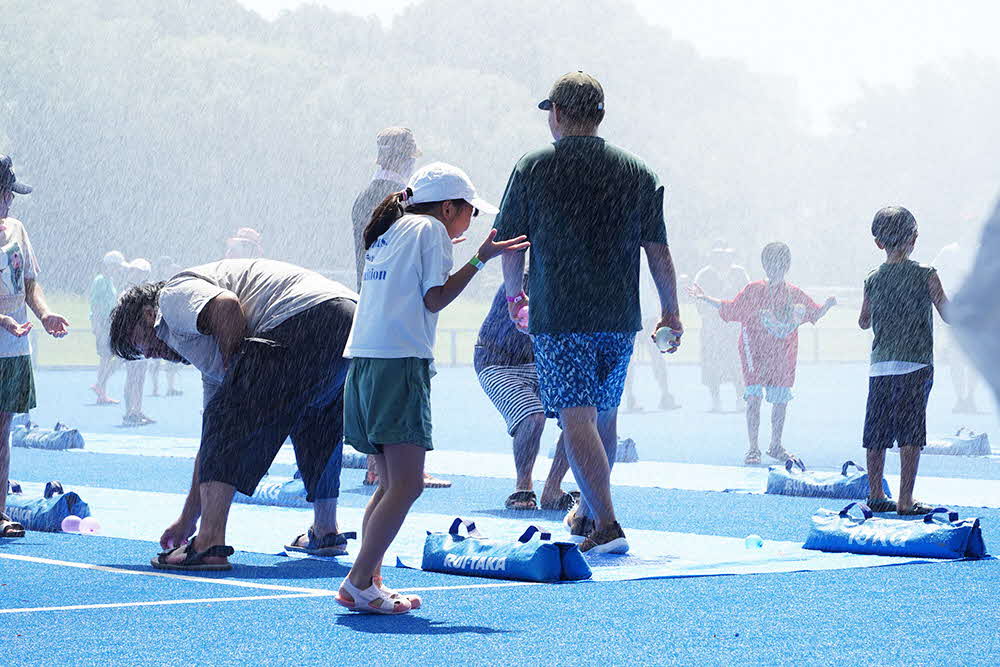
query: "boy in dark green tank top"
899, 296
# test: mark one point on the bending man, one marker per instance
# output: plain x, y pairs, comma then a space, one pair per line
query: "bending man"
268, 338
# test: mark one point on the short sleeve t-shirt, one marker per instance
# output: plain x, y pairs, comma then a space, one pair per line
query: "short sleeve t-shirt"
392, 322
586, 206
902, 316
499, 342
17, 265
270, 292
769, 337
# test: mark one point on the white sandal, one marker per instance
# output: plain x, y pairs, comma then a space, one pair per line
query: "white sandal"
414, 600
355, 599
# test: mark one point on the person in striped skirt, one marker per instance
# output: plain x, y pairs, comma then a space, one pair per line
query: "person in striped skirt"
505, 364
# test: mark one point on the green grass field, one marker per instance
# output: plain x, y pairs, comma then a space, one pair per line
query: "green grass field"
835, 338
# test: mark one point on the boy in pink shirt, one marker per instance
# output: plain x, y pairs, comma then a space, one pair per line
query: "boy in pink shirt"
770, 312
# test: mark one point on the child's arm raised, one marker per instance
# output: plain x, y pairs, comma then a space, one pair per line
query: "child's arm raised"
938, 297
436, 298
698, 293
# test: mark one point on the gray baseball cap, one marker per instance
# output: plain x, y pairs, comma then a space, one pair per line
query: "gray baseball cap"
7, 179
576, 90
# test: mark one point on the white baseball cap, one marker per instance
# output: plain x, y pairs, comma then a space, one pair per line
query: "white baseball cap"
114, 258
438, 181
139, 264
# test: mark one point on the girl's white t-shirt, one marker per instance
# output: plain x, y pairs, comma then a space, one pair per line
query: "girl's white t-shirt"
391, 322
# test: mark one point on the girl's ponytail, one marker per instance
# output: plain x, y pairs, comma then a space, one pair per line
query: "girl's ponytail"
385, 214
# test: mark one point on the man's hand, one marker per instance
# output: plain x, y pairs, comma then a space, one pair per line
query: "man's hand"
178, 533
55, 325
670, 321
13, 327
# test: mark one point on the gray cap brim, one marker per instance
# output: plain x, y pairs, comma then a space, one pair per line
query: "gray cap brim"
20, 188
545, 105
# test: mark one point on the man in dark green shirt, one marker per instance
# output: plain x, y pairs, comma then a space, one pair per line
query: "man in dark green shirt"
587, 207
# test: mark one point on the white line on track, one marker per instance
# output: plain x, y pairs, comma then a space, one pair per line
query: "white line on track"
291, 591
157, 603
167, 575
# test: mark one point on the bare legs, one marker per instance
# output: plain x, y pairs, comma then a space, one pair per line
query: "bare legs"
135, 378
778, 412
401, 481
590, 452
5, 418
753, 422
909, 462
527, 438
527, 441
106, 366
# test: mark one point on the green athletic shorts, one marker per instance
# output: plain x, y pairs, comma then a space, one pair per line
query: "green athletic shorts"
17, 384
387, 402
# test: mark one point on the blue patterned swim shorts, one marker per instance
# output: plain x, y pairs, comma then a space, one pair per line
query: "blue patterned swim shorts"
582, 369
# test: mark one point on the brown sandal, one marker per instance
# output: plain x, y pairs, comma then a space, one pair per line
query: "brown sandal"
10, 528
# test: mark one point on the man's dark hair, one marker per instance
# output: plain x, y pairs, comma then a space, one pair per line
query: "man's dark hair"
127, 314
893, 226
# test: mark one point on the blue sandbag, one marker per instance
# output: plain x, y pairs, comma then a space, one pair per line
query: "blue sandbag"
21, 419
794, 480
526, 559
60, 438
280, 494
965, 442
940, 534
46, 513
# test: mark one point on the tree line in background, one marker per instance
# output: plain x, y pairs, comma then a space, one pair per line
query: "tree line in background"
158, 127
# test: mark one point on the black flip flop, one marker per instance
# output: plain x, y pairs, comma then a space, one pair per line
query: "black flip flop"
194, 561
521, 497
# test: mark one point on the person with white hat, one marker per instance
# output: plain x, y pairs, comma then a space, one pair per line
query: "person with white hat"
19, 290
103, 299
406, 282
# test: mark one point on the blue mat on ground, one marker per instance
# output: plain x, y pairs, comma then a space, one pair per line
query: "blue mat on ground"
938, 534
47, 512
793, 479
61, 437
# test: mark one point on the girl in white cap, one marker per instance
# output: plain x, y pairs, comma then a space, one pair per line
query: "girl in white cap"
387, 411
